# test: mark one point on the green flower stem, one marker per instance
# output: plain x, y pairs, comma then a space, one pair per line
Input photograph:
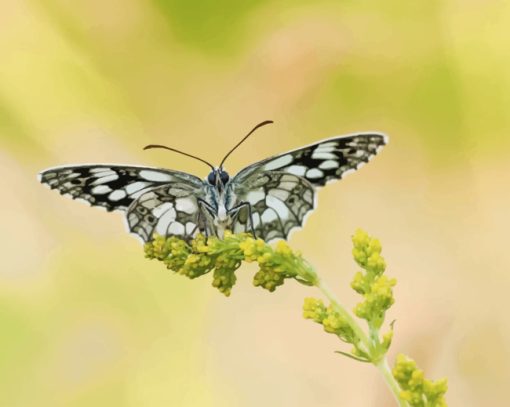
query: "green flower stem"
382, 364
345, 314
392, 384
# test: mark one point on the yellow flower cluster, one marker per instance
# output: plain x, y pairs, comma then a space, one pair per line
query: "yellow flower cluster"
225, 256
416, 390
375, 287
330, 319
276, 265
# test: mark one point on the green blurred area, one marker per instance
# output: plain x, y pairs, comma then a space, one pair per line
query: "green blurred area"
86, 320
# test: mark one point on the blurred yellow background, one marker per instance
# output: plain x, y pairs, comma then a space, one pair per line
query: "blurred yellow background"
86, 321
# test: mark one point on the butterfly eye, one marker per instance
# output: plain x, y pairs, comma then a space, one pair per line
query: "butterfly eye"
224, 177
211, 178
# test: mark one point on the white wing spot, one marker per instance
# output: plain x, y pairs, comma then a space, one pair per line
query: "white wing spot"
324, 149
139, 193
328, 165
279, 162
105, 172
308, 197
268, 216
255, 196
280, 194
190, 226
178, 192
155, 176
256, 220
328, 144
319, 155
239, 228
101, 189
314, 173
164, 221
350, 171
278, 206
136, 186
186, 205
176, 228
162, 209
298, 170
117, 195
99, 169
288, 178
104, 180
288, 186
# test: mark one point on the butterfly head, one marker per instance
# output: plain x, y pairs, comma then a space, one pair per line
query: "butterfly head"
218, 177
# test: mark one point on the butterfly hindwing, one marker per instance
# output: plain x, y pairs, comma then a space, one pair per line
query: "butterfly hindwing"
113, 187
279, 202
170, 210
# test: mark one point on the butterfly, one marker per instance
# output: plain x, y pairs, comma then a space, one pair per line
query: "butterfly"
268, 199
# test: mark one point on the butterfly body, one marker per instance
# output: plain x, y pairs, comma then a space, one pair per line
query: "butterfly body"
219, 201
268, 199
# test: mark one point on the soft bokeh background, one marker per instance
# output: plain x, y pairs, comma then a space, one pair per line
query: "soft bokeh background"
86, 320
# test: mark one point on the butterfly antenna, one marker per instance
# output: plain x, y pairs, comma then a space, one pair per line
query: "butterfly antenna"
244, 138
150, 146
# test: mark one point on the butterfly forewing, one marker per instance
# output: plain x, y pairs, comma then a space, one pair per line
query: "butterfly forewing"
327, 160
113, 187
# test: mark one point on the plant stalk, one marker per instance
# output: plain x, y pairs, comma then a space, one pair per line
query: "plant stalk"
382, 364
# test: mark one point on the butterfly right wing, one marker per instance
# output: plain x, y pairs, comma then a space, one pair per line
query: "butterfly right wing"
321, 162
281, 189
279, 202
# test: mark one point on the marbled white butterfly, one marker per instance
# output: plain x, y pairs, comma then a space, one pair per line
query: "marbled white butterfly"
268, 198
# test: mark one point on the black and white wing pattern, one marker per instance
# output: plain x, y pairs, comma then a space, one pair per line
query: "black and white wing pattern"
132, 189
281, 189
278, 202
169, 210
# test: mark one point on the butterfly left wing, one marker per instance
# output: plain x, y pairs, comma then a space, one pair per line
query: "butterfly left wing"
156, 200
281, 189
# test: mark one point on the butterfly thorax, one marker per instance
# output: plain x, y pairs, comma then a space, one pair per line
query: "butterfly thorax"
221, 198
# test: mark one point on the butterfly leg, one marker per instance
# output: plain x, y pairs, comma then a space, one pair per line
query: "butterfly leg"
235, 210
205, 209
198, 225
